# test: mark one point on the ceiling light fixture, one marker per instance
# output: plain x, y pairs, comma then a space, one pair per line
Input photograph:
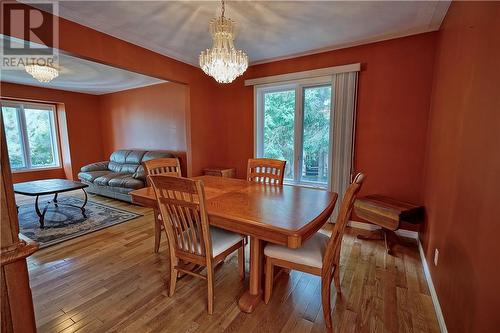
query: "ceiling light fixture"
222, 61
42, 73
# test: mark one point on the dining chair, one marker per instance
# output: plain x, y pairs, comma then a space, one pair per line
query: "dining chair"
319, 255
190, 238
163, 166
266, 170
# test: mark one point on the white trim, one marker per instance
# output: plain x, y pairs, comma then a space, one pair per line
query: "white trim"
304, 74
432, 290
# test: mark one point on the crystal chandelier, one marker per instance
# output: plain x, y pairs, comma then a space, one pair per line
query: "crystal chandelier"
42, 73
222, 61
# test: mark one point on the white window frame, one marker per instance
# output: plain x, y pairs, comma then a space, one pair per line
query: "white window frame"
20, 106
298, 86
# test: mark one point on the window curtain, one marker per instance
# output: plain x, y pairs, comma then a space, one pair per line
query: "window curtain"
343, 115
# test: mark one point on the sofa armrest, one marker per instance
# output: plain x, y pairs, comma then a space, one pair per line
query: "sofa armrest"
97, 166
140, 174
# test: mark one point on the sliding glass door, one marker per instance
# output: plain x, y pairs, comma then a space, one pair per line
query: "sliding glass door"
293, 124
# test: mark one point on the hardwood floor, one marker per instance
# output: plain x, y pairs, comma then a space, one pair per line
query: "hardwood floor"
112, 281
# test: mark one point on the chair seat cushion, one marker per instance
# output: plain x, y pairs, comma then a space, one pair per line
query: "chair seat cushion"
311, 253
90, 176
223, 240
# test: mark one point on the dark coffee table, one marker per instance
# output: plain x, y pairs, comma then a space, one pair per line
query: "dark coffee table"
50, 186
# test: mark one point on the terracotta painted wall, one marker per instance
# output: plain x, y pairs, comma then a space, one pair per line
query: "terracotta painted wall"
463, 168
393, 103
152, 117
79, 120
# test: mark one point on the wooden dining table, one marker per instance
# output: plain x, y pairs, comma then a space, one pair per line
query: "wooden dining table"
279, 214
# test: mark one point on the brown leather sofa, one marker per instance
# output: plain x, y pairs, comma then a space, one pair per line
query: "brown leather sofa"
120, 175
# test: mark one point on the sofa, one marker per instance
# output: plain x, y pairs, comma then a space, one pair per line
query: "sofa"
120, 175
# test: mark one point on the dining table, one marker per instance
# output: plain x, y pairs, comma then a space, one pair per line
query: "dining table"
281, 214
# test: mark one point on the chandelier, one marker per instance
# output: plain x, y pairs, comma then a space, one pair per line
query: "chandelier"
222, 61
42, 73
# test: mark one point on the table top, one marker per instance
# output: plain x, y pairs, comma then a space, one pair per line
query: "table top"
47, 186
387, 212
280, 214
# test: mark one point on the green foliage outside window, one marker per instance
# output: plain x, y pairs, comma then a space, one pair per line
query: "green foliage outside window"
37, 124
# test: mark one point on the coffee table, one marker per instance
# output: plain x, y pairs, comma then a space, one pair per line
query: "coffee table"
50, 186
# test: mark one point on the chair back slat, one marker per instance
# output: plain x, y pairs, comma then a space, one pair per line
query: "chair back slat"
182, 205
162, 166
266, 170
332, 255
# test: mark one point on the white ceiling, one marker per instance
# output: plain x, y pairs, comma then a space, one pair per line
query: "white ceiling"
268, 30
83, 76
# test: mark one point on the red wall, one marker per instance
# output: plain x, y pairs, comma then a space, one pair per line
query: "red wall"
152, 117
393, 104
79, 128
463, 168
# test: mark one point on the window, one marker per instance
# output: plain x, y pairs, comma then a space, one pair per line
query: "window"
293, 124
31, 135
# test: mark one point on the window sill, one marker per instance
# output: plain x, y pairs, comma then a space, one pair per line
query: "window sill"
318, 187
36, 169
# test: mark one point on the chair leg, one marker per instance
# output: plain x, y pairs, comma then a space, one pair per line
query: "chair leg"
269, 280
336, 279
326, 302
173, 277
210, 287
241, 260
157, 232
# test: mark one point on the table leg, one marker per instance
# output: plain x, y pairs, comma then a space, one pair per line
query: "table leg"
84, 203
41, 215
253, 296
55, 200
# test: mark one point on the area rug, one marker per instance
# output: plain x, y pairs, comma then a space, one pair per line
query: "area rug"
65, 222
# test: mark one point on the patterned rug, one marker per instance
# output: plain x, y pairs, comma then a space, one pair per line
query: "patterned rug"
65, 222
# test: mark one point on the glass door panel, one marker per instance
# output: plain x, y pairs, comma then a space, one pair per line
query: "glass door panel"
315, 134
279, 123
13, 134
39, 130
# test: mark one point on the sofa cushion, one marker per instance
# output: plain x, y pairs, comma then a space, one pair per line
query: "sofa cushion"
126, 181
91, 175
127, 156
154, 154
104, 179
123, 168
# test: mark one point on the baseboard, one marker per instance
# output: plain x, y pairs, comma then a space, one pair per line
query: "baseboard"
435, 301
371, 227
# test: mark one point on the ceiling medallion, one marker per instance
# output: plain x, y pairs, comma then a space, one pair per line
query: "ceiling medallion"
223, 61
42, 73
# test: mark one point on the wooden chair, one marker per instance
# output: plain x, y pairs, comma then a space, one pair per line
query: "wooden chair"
190, 238
163, 166
319, 255
266, 170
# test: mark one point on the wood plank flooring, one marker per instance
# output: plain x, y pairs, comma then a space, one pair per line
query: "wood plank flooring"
111, 281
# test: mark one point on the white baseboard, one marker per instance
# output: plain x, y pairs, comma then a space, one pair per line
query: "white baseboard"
371, 227
435, 300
